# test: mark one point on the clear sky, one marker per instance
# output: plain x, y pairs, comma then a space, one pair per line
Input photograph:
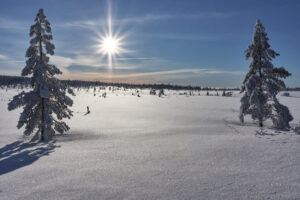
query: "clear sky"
197, 42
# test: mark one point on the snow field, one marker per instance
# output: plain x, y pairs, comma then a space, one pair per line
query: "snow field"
175, 147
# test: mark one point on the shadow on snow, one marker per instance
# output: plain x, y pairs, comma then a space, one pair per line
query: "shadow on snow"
20, 154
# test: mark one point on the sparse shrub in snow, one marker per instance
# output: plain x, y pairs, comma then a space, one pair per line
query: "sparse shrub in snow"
48, 96
161, 92
94, 91
285, 94
227, 94
152, 92
223, 94
297, 129
262, 83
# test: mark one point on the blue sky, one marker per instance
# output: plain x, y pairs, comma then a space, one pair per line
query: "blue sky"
192, 42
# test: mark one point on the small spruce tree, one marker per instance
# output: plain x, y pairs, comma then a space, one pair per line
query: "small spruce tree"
48, 96
161, 93
262, 83
223, 94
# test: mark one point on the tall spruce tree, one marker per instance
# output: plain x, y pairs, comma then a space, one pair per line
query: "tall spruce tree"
262, 83
48, 96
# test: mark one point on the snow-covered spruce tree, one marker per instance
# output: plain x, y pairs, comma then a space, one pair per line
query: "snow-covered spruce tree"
262, 83
48, 96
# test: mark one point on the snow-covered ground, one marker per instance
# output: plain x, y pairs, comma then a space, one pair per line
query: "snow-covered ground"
175, 147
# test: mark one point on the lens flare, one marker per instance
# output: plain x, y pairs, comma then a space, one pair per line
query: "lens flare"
109, 44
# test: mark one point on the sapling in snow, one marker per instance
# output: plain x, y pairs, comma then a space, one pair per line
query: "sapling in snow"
161, 93
48, 96
262, 83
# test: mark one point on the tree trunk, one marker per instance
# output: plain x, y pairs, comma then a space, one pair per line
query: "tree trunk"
260, 123
43, 121
261, 90
43, 102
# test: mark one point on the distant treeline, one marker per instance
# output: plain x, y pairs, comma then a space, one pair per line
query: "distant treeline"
13, 81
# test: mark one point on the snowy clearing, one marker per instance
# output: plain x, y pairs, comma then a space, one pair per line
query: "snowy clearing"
174, 147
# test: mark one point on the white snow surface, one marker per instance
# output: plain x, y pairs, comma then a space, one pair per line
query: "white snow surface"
175, 147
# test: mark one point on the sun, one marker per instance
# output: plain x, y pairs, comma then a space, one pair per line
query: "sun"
110, 45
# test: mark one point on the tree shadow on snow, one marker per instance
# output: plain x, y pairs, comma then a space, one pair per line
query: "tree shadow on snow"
238, 123
271, 131
234, 124
265, 133
20, 154
79, 136
294, 97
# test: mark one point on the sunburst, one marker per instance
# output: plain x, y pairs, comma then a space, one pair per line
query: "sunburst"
110, 44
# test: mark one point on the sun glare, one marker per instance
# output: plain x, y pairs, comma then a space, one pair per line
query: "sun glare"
110, 45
